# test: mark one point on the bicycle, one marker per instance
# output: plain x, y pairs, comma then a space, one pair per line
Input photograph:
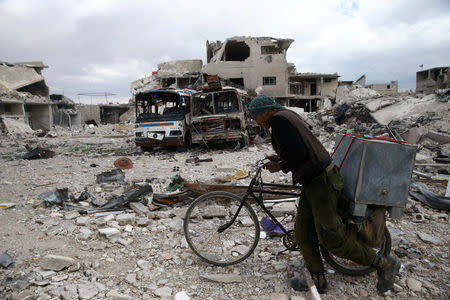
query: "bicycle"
223, 229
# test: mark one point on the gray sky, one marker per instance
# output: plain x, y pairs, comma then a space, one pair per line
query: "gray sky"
101, 46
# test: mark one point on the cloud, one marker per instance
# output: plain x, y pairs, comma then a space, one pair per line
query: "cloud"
103, 45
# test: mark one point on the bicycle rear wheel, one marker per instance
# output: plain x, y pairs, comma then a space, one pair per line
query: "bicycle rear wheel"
204, 217
348, 267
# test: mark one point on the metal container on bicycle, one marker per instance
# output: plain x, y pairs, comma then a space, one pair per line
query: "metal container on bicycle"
375, 171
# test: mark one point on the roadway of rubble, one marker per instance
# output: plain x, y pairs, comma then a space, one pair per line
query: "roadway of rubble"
60, 254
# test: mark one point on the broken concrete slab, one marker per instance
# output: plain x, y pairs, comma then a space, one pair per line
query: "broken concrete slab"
110, 233
56, 262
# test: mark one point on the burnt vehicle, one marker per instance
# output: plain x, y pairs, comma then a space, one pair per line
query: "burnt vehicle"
161, 118
221, 116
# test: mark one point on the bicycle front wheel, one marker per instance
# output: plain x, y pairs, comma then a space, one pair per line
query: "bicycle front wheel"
201, 228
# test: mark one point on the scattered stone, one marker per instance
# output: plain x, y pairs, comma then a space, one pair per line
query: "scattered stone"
125, 219
115, 295
85, 234
163, 292
109, 218
56, 262
82, 221
414, 284
139, 208
182, 296
131, 278
142, 222
428, 238
111, 234
128, 228
278, 296
397, 288
72, 215
87, 290
222, 278
59, 278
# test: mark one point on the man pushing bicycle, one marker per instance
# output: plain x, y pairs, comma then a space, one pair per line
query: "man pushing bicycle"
318, 216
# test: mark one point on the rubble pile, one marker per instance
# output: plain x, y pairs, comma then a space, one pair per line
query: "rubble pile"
84, 246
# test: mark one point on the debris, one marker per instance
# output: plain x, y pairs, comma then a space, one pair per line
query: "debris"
271, 228
87, 290
414, 284
116, 176
429, 198
236, 176
16, 284
110, 233
37, 153
125, 219
177, 182
163, 292
428, 238
222, 278
123, 163
139, 208
6, 260
182, 296
163, 200
58, 197
7, 205
197, 160
56, 262
132, 195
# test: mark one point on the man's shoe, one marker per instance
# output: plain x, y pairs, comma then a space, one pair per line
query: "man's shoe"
387, 268
299, 284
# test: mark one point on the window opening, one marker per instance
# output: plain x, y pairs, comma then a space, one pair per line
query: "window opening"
269, 80
236, 51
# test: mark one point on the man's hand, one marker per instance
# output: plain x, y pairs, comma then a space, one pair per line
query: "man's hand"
273, 157
272, 166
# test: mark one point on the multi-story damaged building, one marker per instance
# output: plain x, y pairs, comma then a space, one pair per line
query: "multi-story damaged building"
179, 74
259, 63
427, 81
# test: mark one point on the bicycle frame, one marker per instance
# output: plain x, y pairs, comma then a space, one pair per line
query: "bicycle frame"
257, 181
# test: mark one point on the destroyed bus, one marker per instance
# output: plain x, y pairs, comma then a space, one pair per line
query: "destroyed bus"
221, 116
161, 118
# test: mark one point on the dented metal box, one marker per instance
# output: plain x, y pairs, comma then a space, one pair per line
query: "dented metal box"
375, 172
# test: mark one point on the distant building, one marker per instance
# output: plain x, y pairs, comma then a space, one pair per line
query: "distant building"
427, 81
259, 63
390, 88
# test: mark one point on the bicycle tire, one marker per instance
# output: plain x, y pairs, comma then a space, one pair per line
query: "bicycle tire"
348, 267
229, 247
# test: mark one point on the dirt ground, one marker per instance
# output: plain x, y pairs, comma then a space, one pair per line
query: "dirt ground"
151, 259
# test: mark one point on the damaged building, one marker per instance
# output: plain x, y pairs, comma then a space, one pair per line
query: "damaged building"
178, 74
24, 97
24, 94
260, 64
386, 89
428, 81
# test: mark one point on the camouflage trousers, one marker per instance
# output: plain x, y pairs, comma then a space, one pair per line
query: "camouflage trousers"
318, 221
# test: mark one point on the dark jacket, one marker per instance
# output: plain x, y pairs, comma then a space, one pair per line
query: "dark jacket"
300, 151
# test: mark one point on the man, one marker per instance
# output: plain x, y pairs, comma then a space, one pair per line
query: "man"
300, 152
